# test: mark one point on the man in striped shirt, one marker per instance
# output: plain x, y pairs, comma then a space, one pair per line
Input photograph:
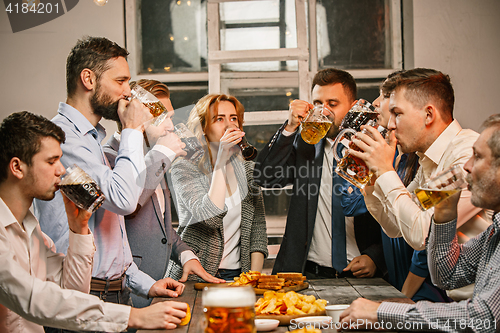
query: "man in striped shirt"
454, 265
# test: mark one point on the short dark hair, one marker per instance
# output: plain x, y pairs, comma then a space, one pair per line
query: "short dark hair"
424, 85
389, 83
92, 53
21, 134
332, 76
494, 140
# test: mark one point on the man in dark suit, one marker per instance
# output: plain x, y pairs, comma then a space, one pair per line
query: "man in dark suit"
315, 218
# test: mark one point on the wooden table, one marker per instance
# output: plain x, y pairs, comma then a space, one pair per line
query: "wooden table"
335, 291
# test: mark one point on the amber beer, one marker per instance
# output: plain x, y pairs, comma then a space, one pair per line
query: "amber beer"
313, 132
429, 198
353, 169
156, 108
440, 187
229, 309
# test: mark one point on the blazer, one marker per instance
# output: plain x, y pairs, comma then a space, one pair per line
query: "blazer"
201, 222
289, 160
152, 238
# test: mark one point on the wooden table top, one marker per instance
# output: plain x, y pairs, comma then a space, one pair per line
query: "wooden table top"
335, 291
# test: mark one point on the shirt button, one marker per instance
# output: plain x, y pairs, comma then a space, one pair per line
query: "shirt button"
164, 240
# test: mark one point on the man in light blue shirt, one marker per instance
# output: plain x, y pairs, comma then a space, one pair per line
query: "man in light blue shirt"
97, 76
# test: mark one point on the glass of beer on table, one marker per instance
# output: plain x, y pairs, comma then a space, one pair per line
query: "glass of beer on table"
80, 188
315, 126
229, 309
440, 187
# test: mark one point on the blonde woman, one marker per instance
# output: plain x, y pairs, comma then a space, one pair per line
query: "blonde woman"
220, 208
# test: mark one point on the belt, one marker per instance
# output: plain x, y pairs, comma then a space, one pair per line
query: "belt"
327, 272
107, 285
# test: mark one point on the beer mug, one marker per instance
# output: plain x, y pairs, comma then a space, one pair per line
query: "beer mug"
229, 309
80, 188
360, 114
193, 147
440, 187
351, 168
157, 109
315, 126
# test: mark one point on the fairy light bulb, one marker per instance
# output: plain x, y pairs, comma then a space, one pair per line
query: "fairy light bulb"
100, 2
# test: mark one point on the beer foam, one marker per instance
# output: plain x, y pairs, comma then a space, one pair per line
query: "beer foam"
230, 297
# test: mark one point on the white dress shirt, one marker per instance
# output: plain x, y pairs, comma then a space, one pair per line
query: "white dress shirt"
391, 203
32, 276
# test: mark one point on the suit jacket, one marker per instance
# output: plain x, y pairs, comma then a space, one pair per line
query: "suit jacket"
152, 238
291, 161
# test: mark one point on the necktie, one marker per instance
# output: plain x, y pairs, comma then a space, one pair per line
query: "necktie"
339, 256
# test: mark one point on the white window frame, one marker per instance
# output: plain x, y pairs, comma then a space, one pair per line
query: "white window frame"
305, 54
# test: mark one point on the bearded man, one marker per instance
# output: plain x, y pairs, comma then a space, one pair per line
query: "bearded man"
97, 78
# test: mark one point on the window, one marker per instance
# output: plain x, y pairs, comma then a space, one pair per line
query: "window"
264, 52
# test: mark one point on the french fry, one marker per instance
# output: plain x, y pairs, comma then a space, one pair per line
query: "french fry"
289, 303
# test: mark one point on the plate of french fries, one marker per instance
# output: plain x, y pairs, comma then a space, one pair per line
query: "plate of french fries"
288, 306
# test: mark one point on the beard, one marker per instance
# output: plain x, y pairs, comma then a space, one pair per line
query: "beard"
485, 190
333, 132
103, 105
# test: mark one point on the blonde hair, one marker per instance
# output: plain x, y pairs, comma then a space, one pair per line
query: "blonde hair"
199, 118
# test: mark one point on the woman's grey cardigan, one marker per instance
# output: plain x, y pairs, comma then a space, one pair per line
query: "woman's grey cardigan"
200, 221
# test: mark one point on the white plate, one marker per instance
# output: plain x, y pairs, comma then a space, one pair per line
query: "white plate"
266, 324
318, 320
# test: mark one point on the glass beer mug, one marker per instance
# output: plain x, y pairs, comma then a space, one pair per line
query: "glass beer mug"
440, 187
80, 188
315, 126
349, 167
360, 114
229, 309
157, 109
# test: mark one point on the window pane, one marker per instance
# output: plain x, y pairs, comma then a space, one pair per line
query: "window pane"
353, 34
174, 35
258, 25
265, 99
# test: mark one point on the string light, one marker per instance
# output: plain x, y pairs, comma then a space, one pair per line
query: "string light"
100, 2
288, 93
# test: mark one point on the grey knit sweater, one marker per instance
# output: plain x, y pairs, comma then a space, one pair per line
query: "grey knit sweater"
200, 221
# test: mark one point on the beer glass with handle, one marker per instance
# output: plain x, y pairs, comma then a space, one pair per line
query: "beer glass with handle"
229, 309
80, 188
157, 109
349, 167
315, 126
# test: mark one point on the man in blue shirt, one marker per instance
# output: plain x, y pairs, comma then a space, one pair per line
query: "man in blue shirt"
97, 87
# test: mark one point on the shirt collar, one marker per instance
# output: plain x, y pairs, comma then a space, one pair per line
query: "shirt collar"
496, 220
439, 146
8, 218
81, 123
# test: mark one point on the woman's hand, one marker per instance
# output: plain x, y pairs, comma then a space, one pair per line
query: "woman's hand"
232, 136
